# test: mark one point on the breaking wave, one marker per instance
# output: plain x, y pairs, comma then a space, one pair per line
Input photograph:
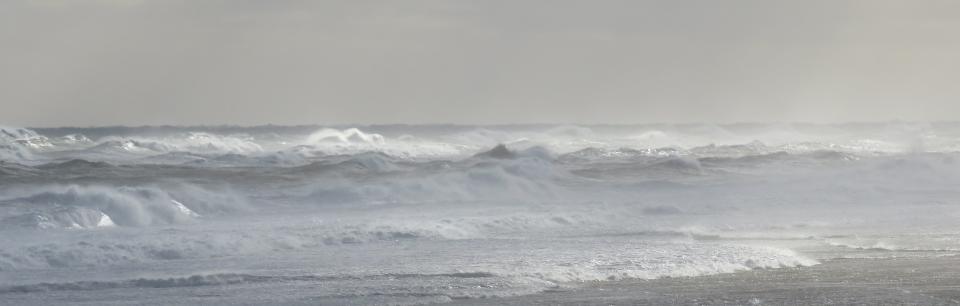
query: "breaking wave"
194, 142
75, 206
17, 144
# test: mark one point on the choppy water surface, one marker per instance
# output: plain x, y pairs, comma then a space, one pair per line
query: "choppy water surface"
424, 214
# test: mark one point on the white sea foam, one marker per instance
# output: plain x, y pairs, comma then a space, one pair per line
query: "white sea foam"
196, 142
354, 141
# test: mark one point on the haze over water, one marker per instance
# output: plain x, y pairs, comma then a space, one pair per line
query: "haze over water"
381, 153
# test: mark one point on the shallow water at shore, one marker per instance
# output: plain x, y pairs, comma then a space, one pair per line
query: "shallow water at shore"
886, 281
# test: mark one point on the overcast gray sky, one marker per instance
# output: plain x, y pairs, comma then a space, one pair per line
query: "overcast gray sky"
106, 62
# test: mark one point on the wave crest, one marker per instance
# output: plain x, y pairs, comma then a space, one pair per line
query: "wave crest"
76, 206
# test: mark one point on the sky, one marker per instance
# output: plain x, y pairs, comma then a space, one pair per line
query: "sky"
245, 62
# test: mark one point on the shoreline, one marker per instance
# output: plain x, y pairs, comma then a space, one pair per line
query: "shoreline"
881, 281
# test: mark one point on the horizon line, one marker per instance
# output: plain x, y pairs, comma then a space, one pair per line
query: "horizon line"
349, 125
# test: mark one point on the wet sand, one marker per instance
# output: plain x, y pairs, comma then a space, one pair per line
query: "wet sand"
889, 281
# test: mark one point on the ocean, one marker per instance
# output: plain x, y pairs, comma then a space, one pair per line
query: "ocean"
424, 214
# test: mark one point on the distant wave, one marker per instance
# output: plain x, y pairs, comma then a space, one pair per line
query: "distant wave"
351, 141
352, 135
203, 143
296, 146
